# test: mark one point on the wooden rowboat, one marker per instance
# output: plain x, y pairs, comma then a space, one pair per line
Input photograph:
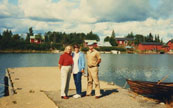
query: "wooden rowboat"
151, 88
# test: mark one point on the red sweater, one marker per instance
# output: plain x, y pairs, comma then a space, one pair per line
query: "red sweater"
66, 59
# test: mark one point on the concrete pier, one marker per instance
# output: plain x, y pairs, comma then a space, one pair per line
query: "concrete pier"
39, 87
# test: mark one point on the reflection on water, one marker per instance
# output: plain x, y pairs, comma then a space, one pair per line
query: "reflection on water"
24, 60
114, 68
117, 68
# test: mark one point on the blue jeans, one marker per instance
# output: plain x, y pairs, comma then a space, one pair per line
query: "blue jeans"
77, 80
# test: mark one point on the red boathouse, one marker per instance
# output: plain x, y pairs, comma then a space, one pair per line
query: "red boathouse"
124, 41
150, 46
170, 45
35, 39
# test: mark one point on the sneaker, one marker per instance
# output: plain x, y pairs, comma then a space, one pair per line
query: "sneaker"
76, 96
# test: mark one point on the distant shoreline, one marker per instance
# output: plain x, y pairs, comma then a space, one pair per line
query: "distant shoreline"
58, 51
42, 51
28, 51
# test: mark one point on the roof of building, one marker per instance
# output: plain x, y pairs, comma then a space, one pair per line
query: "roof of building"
91, 41
123, 39
107, 44
151, 43
32, 37
36, 37
170, 41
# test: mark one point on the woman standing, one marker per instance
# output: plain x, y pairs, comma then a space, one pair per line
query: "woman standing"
65, 66
78, 69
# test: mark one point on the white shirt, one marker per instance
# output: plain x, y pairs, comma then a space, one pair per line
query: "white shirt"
75, 69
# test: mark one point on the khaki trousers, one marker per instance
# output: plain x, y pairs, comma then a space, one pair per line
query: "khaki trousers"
65, 79
93, 77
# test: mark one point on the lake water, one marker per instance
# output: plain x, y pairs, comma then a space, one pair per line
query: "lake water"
114, 68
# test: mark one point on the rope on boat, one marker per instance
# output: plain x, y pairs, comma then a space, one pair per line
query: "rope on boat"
125, 85
162, 79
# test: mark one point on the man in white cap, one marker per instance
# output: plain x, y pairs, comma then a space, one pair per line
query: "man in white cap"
93, 60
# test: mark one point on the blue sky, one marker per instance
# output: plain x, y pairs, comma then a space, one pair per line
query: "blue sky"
100, 16
15, 2
154, 3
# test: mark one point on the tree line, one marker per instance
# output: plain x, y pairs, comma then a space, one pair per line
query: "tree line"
57, 40
138, 38
50, 40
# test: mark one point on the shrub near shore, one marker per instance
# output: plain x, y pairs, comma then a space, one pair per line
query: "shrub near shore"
106, 49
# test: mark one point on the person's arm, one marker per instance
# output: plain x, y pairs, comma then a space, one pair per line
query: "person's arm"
83, 63
98, 58
59, 66
60, 62
99, 61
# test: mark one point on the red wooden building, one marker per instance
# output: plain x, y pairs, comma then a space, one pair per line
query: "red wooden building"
35, 39
124, 41
170, 45
150, 46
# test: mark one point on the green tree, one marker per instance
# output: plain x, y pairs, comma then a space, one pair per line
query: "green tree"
6, 41
113, 41
130, 43
113, 34
139, 38
92, 36
157, 38
16, 37
130, 35
49, 35
46, 39
161, 41
59, 37
0, 36
106, 39
38, 36
65, 39
30, 33
7, 34
54, 37
149, 38
27, 38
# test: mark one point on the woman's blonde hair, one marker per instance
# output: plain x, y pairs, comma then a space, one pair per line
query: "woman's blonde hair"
65, 50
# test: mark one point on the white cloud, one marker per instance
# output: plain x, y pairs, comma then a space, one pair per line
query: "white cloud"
87, 11
46, 8
100, 16
64, 10
160, 26
82, 13
8, 10
120, 10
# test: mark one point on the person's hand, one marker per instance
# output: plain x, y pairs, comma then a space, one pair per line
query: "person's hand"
97, 65
82, 71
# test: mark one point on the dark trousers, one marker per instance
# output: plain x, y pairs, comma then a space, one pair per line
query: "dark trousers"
77, 80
